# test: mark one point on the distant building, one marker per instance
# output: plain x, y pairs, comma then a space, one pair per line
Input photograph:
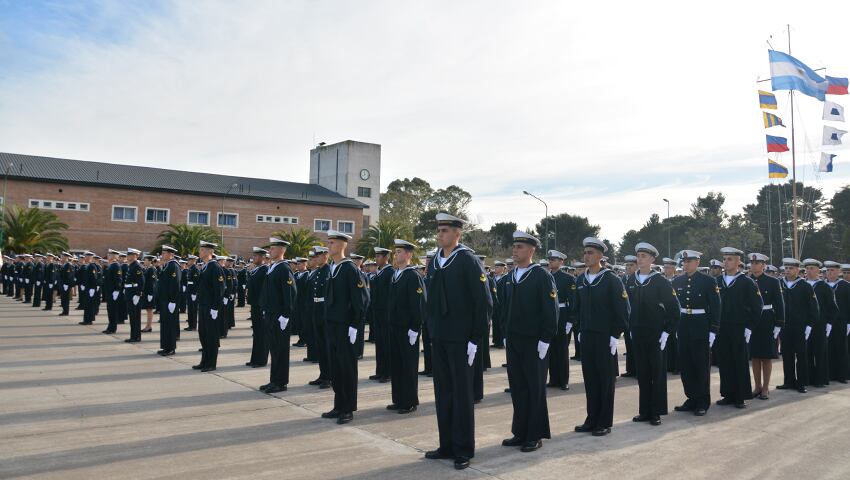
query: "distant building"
352, 169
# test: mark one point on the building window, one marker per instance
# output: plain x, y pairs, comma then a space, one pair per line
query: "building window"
345, 226
277, 219
54, 205
226, 219
123, 214
364, 192
156, 215
321, 225
195, 217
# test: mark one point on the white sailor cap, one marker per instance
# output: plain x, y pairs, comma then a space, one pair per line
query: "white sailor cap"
258, 250
38, 255
113, 251
400, 243
220, 257
845, 267
731, 251
336, 235
646, 248
714, 263
277, 242
771, 268
509, 261
499, 263
134, 251
758, 257
300, 259
369, 263
555, 254
630, 259
168, 248
355, 256
522, 237
66, 254
320, 249
579, 265
206, 244
182, 262
311, 254
831, 264
444, 219
122, 254
88, 254
595, 243
690, 255
543, 262
703, 269
192, 257
811, 262
790, 262
668, 261
381, 251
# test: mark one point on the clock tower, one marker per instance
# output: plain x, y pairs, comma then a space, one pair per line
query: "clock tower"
352, 169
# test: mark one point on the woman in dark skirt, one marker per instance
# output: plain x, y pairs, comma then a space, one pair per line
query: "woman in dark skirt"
763, 339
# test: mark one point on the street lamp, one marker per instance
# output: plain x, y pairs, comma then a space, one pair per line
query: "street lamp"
669, 252
546, 208
218, 219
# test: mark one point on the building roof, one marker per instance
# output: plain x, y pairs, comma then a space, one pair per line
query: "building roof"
78, 172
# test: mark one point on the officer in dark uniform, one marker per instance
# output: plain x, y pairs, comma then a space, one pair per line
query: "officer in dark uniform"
379, 303
122, 297
766, 330
559, 355
741, 307
278, 300
458, 306
828, 310
317, 288
699, 299
241, 284
230, 307
482, 357
183, 304
499, 268
191, 275
630, 264
801, 313
37, 279
210, 289
839, 361
80, 272
530, 311
256, 280
168, 294
134, 287
50, 274
602, 306
28, 272
113, 282
65, 283
346, 301
300, 325
88, 288
427, 356
149, 296
406, 305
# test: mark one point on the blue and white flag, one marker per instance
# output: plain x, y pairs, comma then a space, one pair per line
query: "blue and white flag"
788, 73
832, 136
833, 111
826, 162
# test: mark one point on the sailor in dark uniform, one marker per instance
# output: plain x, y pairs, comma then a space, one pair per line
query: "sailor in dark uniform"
302, 307
602, 307
241, 284
65, 283
49, 284
530, 311
630, 264
427, 357
801, 313
482, 356
839, 362
134, 287
379, 304
149, 294
190, 274
822, 329
406, 306
278, 302
37, 279
699, 301
741, 307
256, 280
559, 358
28, 272
88, 288
210, 288
499, 268
316, 291
458, 305
168, 293
346, 300
113, 284
765, 332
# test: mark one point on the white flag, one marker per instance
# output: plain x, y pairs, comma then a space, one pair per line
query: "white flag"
833, 111
826, 162
832, 136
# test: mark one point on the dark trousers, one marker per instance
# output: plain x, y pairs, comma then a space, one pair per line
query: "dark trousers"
89, 307
28, 287
222, 321
404, 368
630, 355
426, 348
231, 315
498, 334
279, 350
48, 297
577, 343
733, 363
795, 356
37, 293
381, 336
208, 332
343, 362
696, 369
527, 379
169, 324
134, 313
65, 299
453, 398
122, 307
112, 314
321, 347
671, 354
259, 341
478, 372
360, 341
839, 363
818, 356
651, 374
559, 360
598, 367
240, 296
192, 312
306, 336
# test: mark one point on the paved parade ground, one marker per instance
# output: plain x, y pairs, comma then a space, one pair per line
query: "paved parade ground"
78, 404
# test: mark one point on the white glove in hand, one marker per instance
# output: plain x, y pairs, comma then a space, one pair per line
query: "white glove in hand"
171, 307
27, 280
828, 329
663, 340
747, 334
226, 300
283, 321
352, 335
194, 297
848, 330
49, 285
612, 342
711, 337
114, 296
808, 332
65, 287
776, 331
578, 337
91, 292
542, 349
214, 314
411, 336
135, 299
150, 298
37, 283
471, 349
568, 328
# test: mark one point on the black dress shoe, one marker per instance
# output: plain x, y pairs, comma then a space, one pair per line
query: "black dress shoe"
508, 390
374, 377
249, 364
641, 418
461, 463
655, 421
741, 405
393, 406
263, 388
512, 442
258, 365
565, 387
188, 329
344, 418
802, 390
168, 353
683, 408
818, 385
477, 401
384, 379
504, 365
700, 412
197, 367
325, 384
315, 382
331, 414
583, 428
276, 388
424, 372
437, 454
627, 374
208, 369
724, 401
403, 411
784, 387
762, 396
531, 446
160, 352
601, 432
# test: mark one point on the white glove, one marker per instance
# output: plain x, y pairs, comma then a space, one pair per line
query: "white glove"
505, 342
471, 348
568, 328
848, 329
613, 344
663, 340
579, 337
352, 335
91, 292
411, 336
114, 296
27, 280
808, 332
65, 287
214, 314
747, 334
37, 283
194, 297
135, 299
150, 297
283, 321
49, 285
244, 287
542, 349
171, 307
226, 300
776, 331
828, 329
711, 337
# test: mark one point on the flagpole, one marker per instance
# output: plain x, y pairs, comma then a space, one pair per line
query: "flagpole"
795, 247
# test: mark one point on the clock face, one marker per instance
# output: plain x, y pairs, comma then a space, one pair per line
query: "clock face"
364, 174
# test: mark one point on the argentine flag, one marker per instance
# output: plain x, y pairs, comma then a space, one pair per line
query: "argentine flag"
788, 73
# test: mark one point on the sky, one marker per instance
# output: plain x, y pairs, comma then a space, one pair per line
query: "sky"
602, 109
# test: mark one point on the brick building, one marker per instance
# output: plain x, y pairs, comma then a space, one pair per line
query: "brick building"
118, 206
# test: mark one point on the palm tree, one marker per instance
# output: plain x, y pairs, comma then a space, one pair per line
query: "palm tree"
382, 235
186, 238
28, 230
300, 241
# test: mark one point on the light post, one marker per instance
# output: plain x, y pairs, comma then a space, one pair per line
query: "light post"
218, 219
546, 209
669, 252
